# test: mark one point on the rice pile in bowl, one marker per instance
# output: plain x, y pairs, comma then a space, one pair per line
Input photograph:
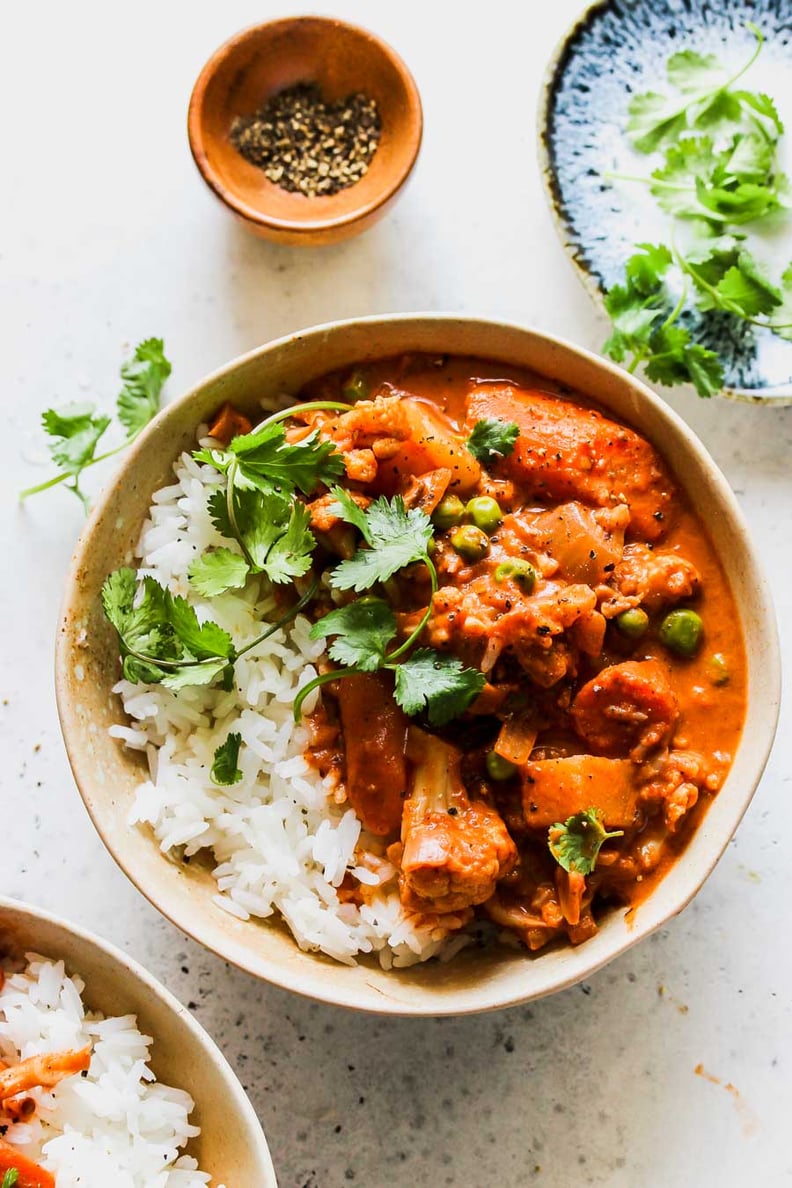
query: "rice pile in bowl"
282, 838
113, 1126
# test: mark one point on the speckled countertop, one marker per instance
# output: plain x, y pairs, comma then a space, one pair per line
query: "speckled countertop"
672, 1066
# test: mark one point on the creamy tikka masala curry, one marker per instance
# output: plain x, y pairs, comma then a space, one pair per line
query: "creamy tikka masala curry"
575, 582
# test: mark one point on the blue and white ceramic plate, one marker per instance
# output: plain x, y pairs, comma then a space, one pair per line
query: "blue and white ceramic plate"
619, 48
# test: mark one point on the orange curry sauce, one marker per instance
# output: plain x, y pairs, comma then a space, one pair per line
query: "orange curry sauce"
590, 717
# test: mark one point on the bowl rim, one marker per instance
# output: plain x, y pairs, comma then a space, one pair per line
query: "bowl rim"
312, 224
314, 985
125, 966
563, 227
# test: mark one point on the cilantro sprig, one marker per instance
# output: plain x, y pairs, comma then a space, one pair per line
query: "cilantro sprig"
259, 508
576, 843
163, 642
76, 429
426, 680
719, 172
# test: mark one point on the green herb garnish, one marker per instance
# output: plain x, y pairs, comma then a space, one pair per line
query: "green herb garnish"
259, 508
576, 844
161, 639
10, 1178
426, 680
719, 172
77, 429
492, 438
224, 768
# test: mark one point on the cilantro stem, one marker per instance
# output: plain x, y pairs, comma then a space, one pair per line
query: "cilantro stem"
424, 618
308, 406
231, 509
283, 620
336, 674
66, 474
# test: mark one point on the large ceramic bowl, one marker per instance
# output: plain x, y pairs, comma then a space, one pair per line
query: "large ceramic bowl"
87, 668
231, 1146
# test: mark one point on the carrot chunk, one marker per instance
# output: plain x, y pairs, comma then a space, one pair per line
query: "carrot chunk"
554, 789
375, 730
229, 423
565, 451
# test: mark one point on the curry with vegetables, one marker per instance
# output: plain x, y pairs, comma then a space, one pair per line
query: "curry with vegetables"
535, 677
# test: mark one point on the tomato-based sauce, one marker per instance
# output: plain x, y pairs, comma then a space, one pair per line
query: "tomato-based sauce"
574, 579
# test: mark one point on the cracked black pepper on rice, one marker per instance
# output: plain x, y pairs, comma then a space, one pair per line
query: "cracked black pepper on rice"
309, 146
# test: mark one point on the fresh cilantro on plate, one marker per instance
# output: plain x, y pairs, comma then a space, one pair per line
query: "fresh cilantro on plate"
719, 173
77, 429
576, 843
492, 438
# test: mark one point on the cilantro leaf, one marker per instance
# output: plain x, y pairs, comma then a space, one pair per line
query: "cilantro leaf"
492, 438
675, 359
202, 640
763, 106
77, 430
691, 72
193, 675
576, 843
217, 571
438, 683
225, 770
266, 462
347, 509
161, 639
271, 529
654, 118
396, 537
363, 629
290, 555
143, 376
118, 596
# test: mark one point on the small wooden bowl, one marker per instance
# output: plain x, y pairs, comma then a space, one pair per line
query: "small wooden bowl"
340, 59
231, 1145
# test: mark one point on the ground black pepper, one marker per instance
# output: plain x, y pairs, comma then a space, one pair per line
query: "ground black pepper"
306, 145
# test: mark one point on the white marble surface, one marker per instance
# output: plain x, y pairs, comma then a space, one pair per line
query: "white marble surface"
109, 236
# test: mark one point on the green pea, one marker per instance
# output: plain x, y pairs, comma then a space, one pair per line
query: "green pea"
681, 632
718, 669
485, 513
633, 623
499, 768
521, 572
356, 386
471, 543
449, 512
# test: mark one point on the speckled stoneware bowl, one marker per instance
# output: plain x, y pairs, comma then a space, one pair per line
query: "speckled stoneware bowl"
231, 1146
87, 668
619, 48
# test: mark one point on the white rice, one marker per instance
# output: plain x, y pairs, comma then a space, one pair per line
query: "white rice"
278, 838
115, 1127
